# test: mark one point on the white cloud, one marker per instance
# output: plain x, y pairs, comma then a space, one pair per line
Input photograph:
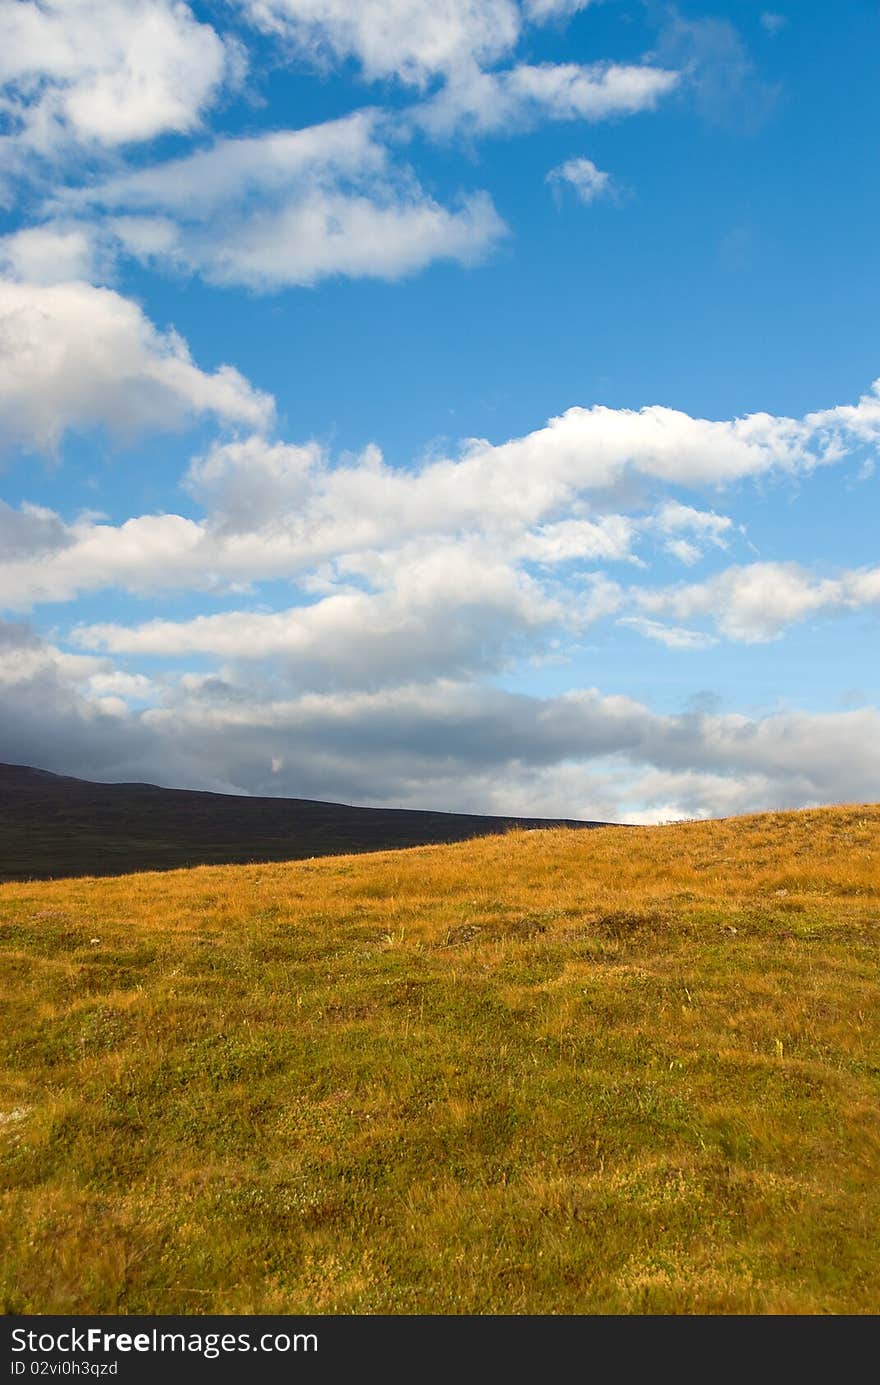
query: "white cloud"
251, 485
277, 510
125, 686
25, 656
409, 39
672, 517
673, 636
685, 551
412, 40
207, 182
474, 102
540, 11
755, 603
861, 420
448, 604
108, 72
703, 526
327, 234
609, 537
51, 254
588, 181
594, 448
73, 356
292, 207
448, 613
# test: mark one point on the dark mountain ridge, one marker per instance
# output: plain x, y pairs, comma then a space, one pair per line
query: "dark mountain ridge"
52, 826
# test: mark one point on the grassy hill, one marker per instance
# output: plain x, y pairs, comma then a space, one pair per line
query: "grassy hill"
627, 1071
53, 826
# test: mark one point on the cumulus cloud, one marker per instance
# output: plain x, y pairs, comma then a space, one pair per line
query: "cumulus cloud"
230, 170
356, 236
73, 356
861, 420
448, 613
51, 254
474, 102
674, 520
549, 499
250, 485
754, 603
409, 39
588, 181
542, 10
106, 72
608, 537
291, 207
672, 517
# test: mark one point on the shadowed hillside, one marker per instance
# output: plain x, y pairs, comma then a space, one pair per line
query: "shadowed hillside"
53, 826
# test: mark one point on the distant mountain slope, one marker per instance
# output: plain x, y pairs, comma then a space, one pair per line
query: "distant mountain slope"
51, 826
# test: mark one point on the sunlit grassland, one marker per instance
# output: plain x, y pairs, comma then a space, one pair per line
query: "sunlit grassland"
622, 1071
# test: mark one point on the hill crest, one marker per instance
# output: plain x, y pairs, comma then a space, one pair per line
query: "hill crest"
53, 826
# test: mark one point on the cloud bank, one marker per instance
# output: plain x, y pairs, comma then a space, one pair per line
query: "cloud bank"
444, 744
412, 594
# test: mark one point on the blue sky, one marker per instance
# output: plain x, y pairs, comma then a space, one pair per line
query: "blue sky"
458, 403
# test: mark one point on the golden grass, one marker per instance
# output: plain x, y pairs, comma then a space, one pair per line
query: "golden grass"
621, 1071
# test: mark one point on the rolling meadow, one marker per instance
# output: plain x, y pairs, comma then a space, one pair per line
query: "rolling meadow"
624, 1071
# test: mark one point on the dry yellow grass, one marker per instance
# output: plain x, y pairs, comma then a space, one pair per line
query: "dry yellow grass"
627, 1071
